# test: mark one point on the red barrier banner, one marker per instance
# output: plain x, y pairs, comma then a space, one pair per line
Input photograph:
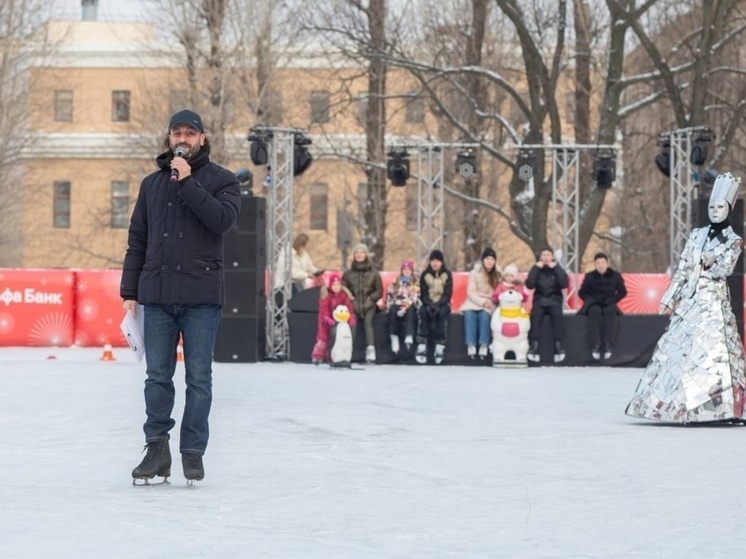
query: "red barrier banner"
98, 308
36, 307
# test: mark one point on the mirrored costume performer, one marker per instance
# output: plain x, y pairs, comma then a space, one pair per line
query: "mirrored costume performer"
697, 371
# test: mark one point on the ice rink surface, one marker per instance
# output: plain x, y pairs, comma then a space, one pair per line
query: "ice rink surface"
386, 462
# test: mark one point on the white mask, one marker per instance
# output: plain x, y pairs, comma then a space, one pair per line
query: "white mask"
718, 210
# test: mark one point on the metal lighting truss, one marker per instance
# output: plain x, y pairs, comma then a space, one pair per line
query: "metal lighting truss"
280, 146
430, 187
565, 208
682, 186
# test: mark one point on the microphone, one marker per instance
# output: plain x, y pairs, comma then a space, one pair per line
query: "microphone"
178, 152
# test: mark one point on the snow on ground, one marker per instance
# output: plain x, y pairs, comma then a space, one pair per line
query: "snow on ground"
387, 462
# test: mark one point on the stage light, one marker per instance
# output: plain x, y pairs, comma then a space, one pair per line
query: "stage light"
525, 164
302, 158
258, 151
397, 168
245, 180
604, 169
466, 164
663, 159
700, 145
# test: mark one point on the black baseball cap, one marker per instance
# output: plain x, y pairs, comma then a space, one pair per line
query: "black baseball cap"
190, 118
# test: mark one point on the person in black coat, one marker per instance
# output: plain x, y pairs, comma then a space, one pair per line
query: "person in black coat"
547, 279
174, 268
436, 290
602, 289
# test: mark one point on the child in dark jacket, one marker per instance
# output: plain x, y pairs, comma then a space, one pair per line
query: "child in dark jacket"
329, 299
436, 289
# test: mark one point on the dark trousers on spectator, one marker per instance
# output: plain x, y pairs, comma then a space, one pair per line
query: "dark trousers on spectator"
367, 320
434, 326
407, 322
554, 310
602, 324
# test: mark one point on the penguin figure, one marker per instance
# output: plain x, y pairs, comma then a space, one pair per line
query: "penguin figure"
341, 338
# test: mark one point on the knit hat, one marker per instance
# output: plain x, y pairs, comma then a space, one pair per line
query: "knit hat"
332, 278
489, 251
510, 269
407, 263
360, 246
436, 255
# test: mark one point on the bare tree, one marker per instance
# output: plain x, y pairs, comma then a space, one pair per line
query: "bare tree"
23, 44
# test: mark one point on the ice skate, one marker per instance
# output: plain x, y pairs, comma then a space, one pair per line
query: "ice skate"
193, 468
395, 344
596, 352
408, 341
421, 354
157, 462
608, 351
439, 354
559, 352
471, 351
533, 352
370, 354
483, 351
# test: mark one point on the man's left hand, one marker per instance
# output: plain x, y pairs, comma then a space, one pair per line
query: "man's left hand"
181, 165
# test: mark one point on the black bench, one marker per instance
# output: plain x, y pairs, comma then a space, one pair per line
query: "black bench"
636, 338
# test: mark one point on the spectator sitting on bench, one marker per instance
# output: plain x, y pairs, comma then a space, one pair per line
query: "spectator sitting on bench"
547, 279
478, 307
402, 301
602, 289
436, 289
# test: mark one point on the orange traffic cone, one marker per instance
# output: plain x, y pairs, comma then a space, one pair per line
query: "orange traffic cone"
180, 351
108, 353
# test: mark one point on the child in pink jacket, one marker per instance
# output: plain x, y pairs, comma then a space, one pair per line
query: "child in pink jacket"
329, 299
510, 281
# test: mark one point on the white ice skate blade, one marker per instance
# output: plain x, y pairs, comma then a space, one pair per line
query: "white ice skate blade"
145, 482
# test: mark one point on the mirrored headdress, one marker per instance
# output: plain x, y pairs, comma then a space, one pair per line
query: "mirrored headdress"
726, 188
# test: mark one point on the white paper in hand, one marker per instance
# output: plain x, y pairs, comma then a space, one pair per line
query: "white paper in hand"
133, 328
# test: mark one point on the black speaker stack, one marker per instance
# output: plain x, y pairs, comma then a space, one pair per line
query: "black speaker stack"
241, 336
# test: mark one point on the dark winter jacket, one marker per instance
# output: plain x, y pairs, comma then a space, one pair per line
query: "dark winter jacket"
175, 244
597, 289
547, 284
436, 288
364, 282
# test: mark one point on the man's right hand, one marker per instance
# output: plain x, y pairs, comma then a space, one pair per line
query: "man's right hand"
131, 306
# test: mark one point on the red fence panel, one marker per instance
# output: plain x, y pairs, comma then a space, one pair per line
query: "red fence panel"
98, 308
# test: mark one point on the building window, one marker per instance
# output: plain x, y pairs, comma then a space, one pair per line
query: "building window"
177, 100
362, 108
269, 110
416, 110
120, 204
411, 209
120, 106
63, 105
61, 203
319, 206
320, 106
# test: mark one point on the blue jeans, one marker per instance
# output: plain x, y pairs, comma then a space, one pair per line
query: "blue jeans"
198, 326
477, 327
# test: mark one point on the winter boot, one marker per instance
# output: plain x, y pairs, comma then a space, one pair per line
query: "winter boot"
559, 352
471, 351
439, 354
192, 465
596, 352
157, 462
394, 344
370, 354
421, 354
533, 354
